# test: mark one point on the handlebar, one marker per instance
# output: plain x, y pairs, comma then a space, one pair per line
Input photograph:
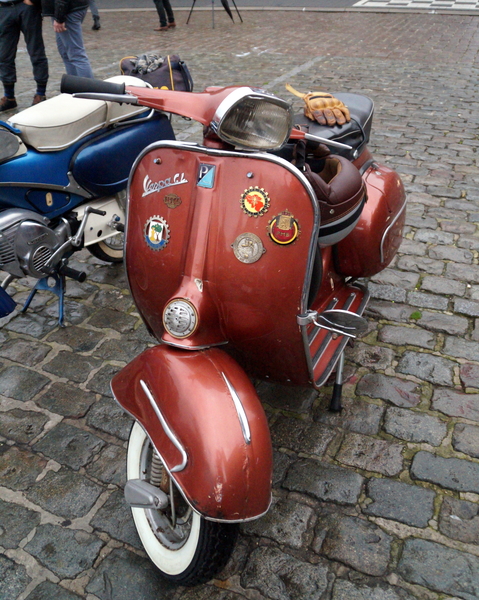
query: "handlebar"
71, 84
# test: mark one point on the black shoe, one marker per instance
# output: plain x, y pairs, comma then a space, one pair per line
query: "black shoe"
96, 24
7, 103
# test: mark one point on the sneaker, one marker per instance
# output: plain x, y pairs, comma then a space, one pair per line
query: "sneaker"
171, 25
37, 98
165, 28
7, 103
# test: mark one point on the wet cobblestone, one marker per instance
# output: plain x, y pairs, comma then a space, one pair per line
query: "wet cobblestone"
380, 502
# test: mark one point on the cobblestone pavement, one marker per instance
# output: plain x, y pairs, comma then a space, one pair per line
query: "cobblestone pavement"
378, 503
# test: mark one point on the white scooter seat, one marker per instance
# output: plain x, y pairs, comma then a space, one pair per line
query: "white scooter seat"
62, 120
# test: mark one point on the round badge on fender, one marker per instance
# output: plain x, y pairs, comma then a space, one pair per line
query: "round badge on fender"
248, 248
157, 233
283, 229
255, 202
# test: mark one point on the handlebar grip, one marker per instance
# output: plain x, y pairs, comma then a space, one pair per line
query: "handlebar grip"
71, 84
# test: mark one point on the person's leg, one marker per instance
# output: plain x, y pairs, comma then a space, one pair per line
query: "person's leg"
96, 15
73, 50
169, 13
161, 14
32, 32
9, 36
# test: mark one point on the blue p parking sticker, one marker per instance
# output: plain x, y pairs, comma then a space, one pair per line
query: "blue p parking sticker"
206, 176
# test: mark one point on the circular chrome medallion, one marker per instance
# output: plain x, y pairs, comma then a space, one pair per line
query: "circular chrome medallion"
255, 202
180, 318
248, 248
157, 233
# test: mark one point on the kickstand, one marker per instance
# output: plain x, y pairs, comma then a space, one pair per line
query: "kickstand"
58, 289
335, 404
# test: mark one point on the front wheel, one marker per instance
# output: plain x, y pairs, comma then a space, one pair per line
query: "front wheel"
109, 250
186, 548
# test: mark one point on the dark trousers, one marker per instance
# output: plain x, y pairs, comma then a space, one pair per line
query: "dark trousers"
27, 20
164, 10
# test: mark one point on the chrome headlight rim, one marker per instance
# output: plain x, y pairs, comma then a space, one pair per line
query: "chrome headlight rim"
182, 314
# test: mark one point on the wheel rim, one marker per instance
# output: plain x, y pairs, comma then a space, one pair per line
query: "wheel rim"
115, 242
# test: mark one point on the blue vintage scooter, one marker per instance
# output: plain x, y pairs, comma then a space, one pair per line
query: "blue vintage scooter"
64, 167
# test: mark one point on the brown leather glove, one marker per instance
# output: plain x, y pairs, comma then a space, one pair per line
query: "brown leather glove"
323, 107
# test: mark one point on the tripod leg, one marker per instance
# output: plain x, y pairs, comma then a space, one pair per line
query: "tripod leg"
234, 4
213, 12
191, 10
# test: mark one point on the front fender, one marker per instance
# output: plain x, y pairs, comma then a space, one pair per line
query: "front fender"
206, 421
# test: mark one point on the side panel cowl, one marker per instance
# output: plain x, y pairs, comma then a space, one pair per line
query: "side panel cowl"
205, 419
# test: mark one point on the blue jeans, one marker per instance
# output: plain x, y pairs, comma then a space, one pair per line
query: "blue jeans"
165, 12
71, 47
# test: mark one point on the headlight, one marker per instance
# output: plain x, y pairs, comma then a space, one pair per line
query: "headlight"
253, 119
180, 318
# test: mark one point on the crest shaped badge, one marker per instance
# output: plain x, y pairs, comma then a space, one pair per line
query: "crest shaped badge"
283, 229
255, 202
157, 232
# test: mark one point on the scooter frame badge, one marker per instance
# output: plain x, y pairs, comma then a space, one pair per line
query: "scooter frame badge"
283, 229
157, 233
255, 202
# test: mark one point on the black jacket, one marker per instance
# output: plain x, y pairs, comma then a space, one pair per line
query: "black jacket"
59, 9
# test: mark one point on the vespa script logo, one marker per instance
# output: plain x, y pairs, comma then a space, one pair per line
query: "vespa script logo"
150, 187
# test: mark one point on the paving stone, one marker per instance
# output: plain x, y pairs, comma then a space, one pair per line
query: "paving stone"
287, 522
466, 307
406, 281
440, 568
456, 404
19, 468
462, 272
21, 384
78, 339
75, 312
441, 285
106, 415
278, 576
66, 552
65, 493
469, 242
100, 382
21, 425
16, 522
74, 367
114, 518
14, 578
413, 247
466, 439
354, 542
371, 357
427, 300
386, 292
69, 445
398, 391
292, 398
110, 465
461, 348
67, 400
459, 520
324, 482
469, 374
107, 318
434, 237
399, 501
301, 436
110, 275
113, 299
428, 367
31, 324
371, 454
441, 322
347, 590
121, 350
451, 253
392, 312
124, 575
48, 590
25, 353
208, 592
357, 415
415, 426
418, 264
405, 336
450, 473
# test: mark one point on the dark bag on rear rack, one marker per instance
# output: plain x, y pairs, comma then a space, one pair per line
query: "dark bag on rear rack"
169, 72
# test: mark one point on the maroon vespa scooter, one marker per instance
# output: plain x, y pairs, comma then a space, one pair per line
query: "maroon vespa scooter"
242, 256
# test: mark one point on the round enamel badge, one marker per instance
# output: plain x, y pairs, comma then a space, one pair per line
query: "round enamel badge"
255, 202
157, 233
283, 229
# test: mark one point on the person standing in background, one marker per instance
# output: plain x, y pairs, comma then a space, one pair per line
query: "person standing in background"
67, 17
96, 15
165, 13
21, 16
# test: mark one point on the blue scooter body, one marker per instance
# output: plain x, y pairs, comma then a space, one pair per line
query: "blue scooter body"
100, 163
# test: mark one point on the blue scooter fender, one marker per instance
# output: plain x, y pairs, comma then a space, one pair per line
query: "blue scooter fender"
207, 423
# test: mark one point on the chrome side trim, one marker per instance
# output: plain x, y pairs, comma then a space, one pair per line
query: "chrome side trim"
169, 433
243, 419
72, 187
383, 239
